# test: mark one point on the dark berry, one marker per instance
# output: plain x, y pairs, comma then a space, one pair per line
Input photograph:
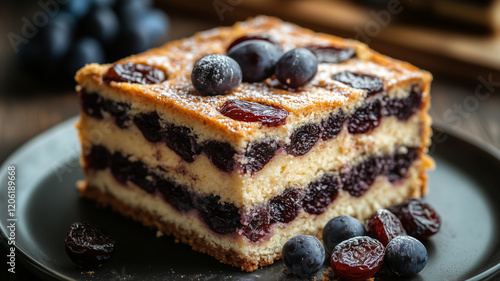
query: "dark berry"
104, 3
303, 255
102, 24
177, 196
258, 154
405, 256
384, 226
370, 83
221, 217
97, 157
419, 219
149, 125
359, 178
296, 68
221, 154
320, 194
340, 229
156, 24
400, 163
120, 167
365, 118
216, 75
127, 10
249, 111
286, 206
85, 50
132, 40
404, 108
333, 125
134, 73
91, 103
303, 139
78, 8
264, 37
119, 110
182, 141
256, 223
64, 19
87, 245
331, 54
140, 176
357, 259
55, 42
256, 58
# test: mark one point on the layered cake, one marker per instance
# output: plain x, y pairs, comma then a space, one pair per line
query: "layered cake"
352, 140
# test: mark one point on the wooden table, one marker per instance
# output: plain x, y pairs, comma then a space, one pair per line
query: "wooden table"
25, 113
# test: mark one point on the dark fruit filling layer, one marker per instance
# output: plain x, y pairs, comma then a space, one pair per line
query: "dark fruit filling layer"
255, 224
185, 144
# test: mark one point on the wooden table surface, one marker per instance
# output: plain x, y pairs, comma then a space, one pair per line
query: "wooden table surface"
27, 111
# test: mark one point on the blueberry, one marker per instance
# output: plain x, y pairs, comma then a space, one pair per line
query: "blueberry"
132, 40
296, 68
405, 256
216, 75
102, 24
104, 3
340, 229
86, 50
156, 24
129, 9
256, 58
303, 255
64, 19
79, 8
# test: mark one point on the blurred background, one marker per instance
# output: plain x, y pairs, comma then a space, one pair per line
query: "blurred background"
45, 41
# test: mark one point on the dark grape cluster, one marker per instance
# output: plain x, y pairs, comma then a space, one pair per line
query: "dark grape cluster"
86, 31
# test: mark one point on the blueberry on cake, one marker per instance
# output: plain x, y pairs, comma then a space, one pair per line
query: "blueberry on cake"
239, 138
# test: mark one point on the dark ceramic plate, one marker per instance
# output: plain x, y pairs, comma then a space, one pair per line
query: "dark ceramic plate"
465, 190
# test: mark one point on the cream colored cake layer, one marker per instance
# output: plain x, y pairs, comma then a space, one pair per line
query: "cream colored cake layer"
283, 171
382, 194
279, 133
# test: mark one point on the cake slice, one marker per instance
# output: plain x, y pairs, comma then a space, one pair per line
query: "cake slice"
351, 141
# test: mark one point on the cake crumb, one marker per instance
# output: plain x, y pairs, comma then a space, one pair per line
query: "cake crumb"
159, 234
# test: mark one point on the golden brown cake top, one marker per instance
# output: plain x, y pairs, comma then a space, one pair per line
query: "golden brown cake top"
178, 96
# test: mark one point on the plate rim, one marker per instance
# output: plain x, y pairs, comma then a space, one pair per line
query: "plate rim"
42, 271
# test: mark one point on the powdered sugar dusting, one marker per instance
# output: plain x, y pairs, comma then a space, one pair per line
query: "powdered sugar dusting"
323, 92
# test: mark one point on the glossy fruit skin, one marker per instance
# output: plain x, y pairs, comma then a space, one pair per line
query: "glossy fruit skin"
256, 58
372, 84
260, 36
85, 50
216, 75
357, 259
385, 226
303, 255
134, 73
87, 245
331, 54
296, 68
249, 111
102, 24
419, 219
405, 256
340, 229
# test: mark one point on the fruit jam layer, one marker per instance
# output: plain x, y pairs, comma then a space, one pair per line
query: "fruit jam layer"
255, 224
185, 143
